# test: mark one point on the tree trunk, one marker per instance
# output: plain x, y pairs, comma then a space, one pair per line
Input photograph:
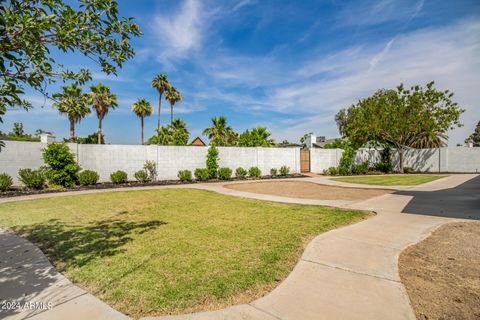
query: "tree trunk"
159, 108
171, 113
99, 133
400, 159
72, 131
141, 119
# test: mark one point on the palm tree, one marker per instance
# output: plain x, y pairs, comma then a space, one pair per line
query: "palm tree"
160, 83
173, 96
262, 136
179, 133
142, 108
220, 134
101, 99
72, 103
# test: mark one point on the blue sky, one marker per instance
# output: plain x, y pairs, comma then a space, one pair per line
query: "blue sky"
286, 65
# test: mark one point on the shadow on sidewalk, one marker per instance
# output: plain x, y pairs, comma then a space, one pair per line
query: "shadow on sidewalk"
462, 201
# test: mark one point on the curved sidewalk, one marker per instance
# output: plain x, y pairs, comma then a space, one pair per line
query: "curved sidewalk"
347, 273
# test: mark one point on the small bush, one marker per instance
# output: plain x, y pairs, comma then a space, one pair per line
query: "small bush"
212, 162
141, 176
201, 174
385, 167
185, 175
55, 187
119, 177
151, 168
284, 170
32, 179
273, 172
62, 168
332, 171
360, 168
241, 173
343, 171
88, 177
5, 182
408, 170
224, 173
254, 172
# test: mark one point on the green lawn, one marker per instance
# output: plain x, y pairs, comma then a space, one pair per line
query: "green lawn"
169, 251
394, 180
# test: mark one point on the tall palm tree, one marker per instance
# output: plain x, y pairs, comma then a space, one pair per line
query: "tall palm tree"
142, 108
101, 99
72, 103
160, 83
173, 96
220, 134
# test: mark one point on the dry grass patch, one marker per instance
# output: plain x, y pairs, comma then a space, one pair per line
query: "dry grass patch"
307, 190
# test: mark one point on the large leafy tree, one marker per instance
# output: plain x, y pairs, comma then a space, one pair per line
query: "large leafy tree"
220, 133
160, 83
258, 137
32, 31
475, 136
72, 102
142, 108
418, 117
102, 100
173, 96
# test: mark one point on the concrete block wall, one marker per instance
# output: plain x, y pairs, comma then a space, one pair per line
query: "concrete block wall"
321, 159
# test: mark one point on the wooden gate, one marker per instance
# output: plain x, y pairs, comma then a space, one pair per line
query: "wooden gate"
305, 160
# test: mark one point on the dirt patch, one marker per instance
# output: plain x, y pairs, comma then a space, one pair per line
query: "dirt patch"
442, 273
307, 190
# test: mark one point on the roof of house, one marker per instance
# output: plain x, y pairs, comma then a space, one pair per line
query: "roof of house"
197, 142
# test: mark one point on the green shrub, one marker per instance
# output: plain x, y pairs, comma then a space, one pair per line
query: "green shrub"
5, 182
212, 161
385, 165
141, 176
408, 170
273, 172
343, 171
201, 174
185, 175
332, 171
88, 177
254, 172
119, 177
151, 168
224, 173
284, 170
62, 168
55, 187
241, 173
360, 168
32, 179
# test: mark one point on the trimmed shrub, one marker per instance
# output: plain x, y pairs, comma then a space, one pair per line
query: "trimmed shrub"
141, 176
119, 177
241, 173
32, 179
360, 168
212, 162
254, 172
88, 177
332, 171
5, 182
151, 168
62, 168
224, 173
408, 170
185, 175
201, 174
273, 172
284, 170
343, 171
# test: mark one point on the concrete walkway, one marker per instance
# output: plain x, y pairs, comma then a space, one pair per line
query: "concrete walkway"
347, 273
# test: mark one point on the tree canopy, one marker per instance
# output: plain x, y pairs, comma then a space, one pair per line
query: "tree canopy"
220, 133
418, 117
258, 137
33, 31
475, 136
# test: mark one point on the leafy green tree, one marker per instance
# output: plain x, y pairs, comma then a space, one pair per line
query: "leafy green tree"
142, 108
220, 133
414, 118
90, 139
283, 143
173, 96
72, 103
258, 137
212, 161
62, 168
160, 83
101, 99
31, 31
18, 129
475, 136
180, 134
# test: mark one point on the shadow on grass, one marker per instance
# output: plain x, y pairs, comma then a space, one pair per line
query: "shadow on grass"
76, 245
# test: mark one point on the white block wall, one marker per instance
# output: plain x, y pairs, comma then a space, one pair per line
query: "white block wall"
321, 159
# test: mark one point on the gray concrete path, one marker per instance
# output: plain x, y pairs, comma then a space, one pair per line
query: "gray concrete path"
347, 273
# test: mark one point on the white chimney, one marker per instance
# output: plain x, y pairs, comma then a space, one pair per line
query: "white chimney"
310, 140
47, 138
